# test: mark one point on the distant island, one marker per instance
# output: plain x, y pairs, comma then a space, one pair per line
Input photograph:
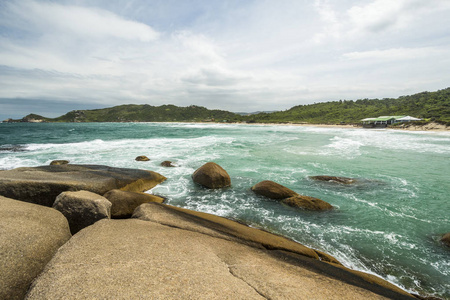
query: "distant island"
429, 106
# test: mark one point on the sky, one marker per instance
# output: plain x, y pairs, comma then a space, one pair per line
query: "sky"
236, 55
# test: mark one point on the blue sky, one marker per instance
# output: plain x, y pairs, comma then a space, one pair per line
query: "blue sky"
57, 56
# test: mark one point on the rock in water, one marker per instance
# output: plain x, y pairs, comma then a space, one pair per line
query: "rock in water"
212, 176
142, 158
59, 162
82, 208
167, 163
273, 190
41, 185
124, 203
30, 235
344, 180
307, 203
446, 239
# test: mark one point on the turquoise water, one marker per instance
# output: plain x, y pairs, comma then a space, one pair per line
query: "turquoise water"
388, 224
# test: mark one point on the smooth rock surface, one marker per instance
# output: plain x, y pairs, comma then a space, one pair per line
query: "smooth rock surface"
344, 180
212, 176
142, 158
82, 208
273, 190
167, 164
30, 235
190, 259
59, 162
41, 185
124, 203
307, 203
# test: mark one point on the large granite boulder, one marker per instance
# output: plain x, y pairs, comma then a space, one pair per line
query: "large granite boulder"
172, 253
307, 203
336, 179
59, 162
30, 235
273, 190
41, 185
446, 239
82, 208
124, 203
167, 164
142, 158
212, 176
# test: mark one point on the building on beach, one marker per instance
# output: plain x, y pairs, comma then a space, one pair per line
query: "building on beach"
384, 121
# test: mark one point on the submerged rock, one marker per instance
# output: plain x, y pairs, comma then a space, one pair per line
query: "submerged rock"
212, 176
273, 190
167, 164
41, 185
446, 239
124, 203
307, 203
59, 162
344, 180
142, 158
82, 208
30, 235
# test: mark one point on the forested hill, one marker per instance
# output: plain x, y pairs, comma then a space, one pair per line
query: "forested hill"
426, 105
146, 113
432, 106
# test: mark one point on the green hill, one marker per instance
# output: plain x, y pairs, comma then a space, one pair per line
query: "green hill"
426, 105
147, 113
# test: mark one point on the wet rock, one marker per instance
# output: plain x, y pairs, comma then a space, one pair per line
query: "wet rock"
124, 203
82, 208
273, 190
343, 180
30, 235
168, 164
307, 203
446, 239
142, 158
59, 162
212, 176
41, 185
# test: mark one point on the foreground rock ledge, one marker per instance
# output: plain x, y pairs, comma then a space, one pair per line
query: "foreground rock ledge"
173, 253
30, 235
41, 185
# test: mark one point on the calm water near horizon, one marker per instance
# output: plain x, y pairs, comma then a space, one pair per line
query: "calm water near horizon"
389, 223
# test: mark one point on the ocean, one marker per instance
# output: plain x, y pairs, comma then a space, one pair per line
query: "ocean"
388, 223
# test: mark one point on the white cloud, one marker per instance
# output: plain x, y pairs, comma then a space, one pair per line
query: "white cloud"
394, 54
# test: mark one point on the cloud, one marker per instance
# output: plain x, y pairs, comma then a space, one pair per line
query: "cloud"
393, 54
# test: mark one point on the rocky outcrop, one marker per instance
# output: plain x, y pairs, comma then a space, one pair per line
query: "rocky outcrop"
30, 235
446, 239
307, 203
59, 162
273, 190
142, 158
173, 253
124, 203
167, 164
82, 208
211, 176
343, 180
41, 185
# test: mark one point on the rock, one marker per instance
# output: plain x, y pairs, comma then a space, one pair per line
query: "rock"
124, 203
167, 163
82, 208
181, 254
30, 235
446, 239
273, 190
307, 203
212, 176
59, 162
344, 180
142, 158
41, 185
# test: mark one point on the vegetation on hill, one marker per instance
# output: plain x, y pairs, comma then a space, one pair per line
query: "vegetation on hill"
431, 106
426, 105
147, 113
